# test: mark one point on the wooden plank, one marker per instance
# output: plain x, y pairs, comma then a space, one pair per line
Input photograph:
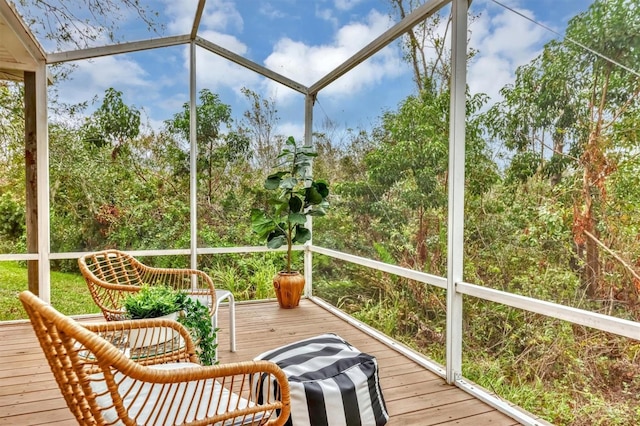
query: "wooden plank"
45, 405
21, 386
441, 413
61, 415
20, 399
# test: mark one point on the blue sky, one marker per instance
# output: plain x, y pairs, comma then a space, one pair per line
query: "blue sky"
304, 40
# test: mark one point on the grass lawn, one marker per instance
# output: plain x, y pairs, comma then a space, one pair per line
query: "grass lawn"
69, 293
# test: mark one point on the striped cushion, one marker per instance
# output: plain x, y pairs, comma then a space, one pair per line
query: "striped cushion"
332, 383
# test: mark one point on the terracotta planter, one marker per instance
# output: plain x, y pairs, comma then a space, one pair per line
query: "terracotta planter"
289, 287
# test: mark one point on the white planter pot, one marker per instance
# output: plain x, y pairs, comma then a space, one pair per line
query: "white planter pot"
144, 337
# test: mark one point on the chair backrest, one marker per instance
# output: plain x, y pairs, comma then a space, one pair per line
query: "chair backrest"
56, 346
73, 354
104, 384
112, 275
114, 267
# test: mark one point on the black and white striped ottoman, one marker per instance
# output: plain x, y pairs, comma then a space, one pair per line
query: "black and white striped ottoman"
332, 383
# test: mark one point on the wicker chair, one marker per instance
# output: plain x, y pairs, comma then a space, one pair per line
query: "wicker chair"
104, 382
112, 274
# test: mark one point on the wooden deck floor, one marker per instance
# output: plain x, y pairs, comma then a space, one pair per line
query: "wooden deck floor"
414, 396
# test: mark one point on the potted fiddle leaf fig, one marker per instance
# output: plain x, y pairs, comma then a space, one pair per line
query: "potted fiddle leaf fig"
296, 195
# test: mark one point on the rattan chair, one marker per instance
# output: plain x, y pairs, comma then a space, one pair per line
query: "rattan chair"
112, 274
104, 382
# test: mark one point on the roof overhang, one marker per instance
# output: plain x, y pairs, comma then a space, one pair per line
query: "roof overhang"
19, 49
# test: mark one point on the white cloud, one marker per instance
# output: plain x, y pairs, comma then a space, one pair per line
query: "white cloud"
346, 4
268, 10
220, 15
94, 77
327, 15
504, 42
214, 71
182, 13
291, 129
306, 64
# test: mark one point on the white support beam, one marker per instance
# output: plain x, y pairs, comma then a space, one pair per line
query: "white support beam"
197, 18
420, 14
455, 225
117, 49
384, 267
44, 230
193, 163
619, 326
18, 257
309, 101
243, 62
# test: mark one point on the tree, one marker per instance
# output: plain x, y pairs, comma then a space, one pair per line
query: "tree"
114, 123
12, 139
585, 93
409, 168
81, 23
259, 124
425, 46
215, 148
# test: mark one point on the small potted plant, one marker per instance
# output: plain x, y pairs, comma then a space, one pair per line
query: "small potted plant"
296, 196
160, 301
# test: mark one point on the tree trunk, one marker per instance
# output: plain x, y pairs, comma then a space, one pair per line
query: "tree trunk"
587, 222
421, 245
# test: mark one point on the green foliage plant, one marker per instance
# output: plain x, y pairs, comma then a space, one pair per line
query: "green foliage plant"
11, 218
157, 301
153, 302
297, 196
197, 320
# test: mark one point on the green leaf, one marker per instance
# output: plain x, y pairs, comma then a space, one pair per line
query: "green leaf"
261, 223
302, 235
312, 196
295, 204
309, 150
317, 212
273, 181
323, 187
281, 207
297, 218
278, 202
290, 141
276, 241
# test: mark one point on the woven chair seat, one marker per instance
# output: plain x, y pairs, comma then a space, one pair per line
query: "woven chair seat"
137, 396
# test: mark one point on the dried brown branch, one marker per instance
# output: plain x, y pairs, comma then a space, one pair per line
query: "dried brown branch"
613, 254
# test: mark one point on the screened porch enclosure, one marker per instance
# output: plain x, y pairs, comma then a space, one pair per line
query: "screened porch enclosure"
27, 61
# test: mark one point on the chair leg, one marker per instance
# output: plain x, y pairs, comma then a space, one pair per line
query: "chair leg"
228, 296
232, 323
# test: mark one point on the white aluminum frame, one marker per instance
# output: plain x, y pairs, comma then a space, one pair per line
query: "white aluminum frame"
193, 155
455, 226
453, 283
44, 231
